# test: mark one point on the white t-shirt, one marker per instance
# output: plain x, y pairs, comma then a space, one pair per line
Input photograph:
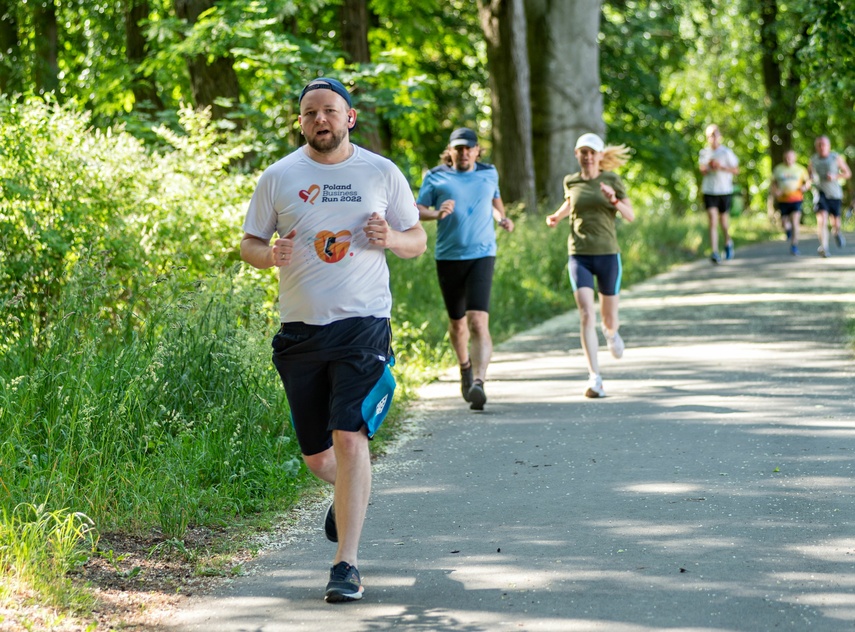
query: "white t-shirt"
334, 273
718, 182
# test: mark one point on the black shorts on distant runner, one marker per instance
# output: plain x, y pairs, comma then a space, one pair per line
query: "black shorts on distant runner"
721, 202
466, 285
788, 208
830, 205
336, 377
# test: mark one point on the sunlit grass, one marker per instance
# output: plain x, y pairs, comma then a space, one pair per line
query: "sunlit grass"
38, 548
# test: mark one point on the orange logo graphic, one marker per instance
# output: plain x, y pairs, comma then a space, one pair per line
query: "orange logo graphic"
331, 247
311, 194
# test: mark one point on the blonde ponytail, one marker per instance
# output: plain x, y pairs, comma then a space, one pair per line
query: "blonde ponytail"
614, 156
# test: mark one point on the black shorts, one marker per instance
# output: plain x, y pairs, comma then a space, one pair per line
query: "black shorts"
788, 208
830, 205
606, 268
466, 285
336, 377
721, 202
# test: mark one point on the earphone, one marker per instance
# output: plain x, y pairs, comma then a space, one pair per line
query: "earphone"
350, 119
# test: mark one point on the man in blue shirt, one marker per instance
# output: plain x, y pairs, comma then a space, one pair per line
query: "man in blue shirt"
462, 195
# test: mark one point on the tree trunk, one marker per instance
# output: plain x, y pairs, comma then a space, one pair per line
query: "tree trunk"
145, 92
354, 42
46, 66
10, 49
781, 103
565, 86
354, 31
503, 23
214, 80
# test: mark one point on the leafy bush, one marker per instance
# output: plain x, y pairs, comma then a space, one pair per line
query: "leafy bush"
66, 189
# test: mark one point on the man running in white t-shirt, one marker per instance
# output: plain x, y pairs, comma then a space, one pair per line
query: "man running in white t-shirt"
718, 164
335, 209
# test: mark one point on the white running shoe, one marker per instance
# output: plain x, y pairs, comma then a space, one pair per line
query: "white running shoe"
614, 343
595, 387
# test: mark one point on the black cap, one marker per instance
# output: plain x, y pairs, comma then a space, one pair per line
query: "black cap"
325, 83
463, 136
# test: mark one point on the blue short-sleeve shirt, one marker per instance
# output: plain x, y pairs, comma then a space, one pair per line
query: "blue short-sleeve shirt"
469, 232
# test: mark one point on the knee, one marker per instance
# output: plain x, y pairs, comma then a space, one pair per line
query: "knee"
320, 463
587, 316
349, 444
478, 323
457, 327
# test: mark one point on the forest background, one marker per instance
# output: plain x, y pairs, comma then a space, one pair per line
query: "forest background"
136, 393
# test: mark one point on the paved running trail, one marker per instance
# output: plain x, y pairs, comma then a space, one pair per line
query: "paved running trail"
712, 490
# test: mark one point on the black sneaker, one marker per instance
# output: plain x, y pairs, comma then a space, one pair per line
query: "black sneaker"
330, 528
344, 584
477, 396
466, 381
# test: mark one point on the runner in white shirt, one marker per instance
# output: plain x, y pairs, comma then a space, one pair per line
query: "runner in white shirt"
718, 165
335, 209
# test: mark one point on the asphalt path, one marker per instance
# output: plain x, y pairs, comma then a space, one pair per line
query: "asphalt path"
711, 490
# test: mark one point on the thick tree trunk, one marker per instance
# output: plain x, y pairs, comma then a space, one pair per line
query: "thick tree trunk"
782, 92
777, 119
354, 42
214, 80
10, 49
145, 92
566, 101
354, 31
46, 68
503, 22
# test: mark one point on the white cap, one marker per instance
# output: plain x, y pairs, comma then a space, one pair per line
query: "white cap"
590, 140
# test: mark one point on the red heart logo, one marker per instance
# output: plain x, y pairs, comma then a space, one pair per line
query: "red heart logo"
331, 247
311, 192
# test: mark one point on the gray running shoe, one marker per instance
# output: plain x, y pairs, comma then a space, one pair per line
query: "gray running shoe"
715, 258
821, 252
840, 239
595, 387
344, 585
477, 396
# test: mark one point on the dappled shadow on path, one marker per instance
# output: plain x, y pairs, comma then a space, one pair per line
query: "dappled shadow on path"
712, 490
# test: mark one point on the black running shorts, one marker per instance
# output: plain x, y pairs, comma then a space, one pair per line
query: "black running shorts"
721, 202
831, 205
466, 285
336, 377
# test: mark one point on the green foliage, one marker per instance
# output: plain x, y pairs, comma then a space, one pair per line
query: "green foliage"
65, 189
640, 47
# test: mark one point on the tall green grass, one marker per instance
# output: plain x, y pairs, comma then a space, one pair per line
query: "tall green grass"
179, 421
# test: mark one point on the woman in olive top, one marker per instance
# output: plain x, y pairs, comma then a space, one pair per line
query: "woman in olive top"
594, 197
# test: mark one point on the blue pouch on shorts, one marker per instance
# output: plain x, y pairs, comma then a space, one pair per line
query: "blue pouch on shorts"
377, 403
